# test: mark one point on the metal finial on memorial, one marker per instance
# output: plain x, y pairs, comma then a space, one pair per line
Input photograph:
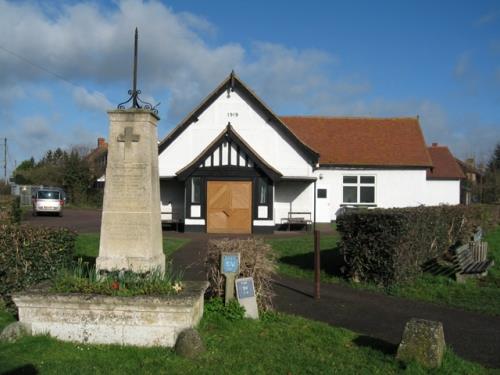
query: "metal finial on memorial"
134, 93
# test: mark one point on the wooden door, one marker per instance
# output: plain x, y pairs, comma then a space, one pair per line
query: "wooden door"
229, 206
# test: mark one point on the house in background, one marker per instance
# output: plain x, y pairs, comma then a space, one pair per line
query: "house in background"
97, 159
444, 178
234, 166
472, 185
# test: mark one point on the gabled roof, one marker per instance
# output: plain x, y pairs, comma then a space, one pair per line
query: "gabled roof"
233, 82
231, 135
367, 142
468, 167
445, 165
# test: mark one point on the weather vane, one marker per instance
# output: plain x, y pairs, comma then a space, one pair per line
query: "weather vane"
134, 93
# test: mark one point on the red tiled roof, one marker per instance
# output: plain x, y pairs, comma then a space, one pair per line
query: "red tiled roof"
445, 165
363, 141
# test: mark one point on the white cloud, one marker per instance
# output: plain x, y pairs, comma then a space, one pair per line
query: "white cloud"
93, 101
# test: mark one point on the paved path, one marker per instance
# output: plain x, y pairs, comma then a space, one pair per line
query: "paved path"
379, 318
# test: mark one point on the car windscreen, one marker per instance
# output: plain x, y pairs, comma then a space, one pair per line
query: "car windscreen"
48, 194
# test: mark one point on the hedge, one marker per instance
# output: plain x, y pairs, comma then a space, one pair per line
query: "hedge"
29, 255
386, 246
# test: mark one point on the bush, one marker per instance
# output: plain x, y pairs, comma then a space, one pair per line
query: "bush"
390, 245
256, 260
15, 211
30, 255
216, 307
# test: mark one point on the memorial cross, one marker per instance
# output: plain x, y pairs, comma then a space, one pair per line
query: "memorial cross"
128, 136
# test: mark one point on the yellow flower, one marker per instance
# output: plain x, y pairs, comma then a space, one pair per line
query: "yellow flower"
177, 287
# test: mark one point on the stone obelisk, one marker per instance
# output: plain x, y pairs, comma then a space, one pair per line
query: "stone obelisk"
131, 235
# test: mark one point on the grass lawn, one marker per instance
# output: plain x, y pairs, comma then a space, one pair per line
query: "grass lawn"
87, 245
278, 344
296, 260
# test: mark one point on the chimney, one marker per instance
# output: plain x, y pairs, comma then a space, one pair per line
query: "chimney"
101, 142
434, 144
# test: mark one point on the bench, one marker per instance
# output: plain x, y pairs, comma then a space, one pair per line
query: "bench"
466, 266
302, 219
169, 218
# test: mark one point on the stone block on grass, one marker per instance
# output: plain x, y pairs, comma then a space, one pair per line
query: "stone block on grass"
423, 342
15, 331
189, 344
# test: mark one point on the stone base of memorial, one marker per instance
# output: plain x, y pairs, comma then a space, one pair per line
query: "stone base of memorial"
100, 319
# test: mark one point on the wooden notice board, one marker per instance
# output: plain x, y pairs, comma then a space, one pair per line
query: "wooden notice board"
229, 206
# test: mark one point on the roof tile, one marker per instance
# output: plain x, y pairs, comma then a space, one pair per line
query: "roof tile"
363, 141
445, 165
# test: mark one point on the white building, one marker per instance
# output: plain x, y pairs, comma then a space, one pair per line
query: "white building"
233, 166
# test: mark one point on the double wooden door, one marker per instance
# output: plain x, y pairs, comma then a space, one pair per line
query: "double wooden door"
229, 206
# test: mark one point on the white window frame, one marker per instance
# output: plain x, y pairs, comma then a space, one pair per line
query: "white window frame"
358, 186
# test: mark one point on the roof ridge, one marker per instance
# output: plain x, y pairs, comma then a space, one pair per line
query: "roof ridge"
351, 117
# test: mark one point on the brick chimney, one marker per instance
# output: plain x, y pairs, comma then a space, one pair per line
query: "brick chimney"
101, 142
434, 144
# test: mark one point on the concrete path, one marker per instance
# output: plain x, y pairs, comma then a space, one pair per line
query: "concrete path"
379, 318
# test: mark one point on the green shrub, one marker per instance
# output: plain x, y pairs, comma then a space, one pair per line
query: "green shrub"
390, 245
29, 255
232, 311
15, 211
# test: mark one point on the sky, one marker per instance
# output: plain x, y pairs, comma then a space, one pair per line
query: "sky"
64, 64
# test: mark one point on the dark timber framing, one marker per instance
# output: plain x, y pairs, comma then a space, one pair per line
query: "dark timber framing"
230, 136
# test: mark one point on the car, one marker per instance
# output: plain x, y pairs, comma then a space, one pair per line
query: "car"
48, 201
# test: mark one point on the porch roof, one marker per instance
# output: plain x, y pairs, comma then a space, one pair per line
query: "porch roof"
230, 134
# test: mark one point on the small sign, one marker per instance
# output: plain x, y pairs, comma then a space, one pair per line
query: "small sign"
244, 288
230, 263
245, 292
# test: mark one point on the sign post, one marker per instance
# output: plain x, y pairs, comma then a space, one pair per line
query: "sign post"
230, 267
245, 291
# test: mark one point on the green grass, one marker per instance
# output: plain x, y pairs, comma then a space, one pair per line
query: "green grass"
87, 245
278, 344
296, 260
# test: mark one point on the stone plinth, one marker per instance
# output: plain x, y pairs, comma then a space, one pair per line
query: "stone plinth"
131, 236
423, 342
98, 319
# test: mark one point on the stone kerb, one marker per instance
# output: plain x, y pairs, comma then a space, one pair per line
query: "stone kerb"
99, 319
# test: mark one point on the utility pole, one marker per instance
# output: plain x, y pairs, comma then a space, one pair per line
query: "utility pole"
5, 160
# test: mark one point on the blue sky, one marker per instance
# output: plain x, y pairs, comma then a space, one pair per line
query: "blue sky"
63, 64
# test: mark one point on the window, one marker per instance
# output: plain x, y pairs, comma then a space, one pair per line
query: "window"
359, 189
262, 190
321, 193
195, 190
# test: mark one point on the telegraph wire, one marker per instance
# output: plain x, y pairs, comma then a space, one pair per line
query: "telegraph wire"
38, 66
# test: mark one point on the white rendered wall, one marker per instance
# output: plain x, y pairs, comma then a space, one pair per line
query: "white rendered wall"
393, 188
248, 123
293, 196
443, 192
